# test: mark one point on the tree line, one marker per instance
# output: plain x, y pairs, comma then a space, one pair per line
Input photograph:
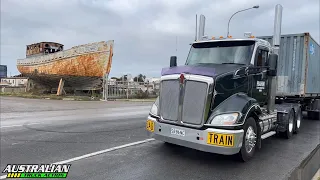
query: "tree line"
139, 78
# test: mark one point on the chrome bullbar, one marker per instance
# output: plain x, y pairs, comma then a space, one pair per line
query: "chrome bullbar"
185, 99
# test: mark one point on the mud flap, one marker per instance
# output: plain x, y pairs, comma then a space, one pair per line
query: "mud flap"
313, 110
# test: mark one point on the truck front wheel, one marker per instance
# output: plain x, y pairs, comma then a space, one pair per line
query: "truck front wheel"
249, 140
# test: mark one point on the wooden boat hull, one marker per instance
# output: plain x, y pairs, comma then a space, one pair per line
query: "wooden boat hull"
80, 66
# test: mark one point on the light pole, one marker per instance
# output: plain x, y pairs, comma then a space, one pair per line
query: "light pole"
254, 7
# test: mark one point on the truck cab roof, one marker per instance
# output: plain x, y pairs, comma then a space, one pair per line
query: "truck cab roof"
257, 40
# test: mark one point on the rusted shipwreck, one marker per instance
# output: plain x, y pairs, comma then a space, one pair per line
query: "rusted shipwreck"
80, 67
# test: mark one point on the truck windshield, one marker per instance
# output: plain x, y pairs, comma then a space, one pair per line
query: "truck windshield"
221, 52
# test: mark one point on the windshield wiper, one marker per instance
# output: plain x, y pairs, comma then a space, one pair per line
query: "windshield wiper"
233, 63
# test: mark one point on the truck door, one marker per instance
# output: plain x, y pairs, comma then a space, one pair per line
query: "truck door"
259, 76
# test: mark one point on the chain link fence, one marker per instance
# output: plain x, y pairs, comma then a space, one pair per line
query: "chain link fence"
132, 90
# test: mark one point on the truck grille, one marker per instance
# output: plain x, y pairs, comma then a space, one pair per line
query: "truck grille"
169, 100
192, 103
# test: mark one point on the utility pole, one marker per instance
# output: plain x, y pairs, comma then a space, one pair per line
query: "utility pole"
127, 89
105, 87
129, 76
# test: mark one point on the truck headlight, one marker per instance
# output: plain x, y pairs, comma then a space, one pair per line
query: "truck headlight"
154, 108
225, 119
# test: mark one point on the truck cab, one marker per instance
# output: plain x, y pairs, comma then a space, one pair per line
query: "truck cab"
222, 100
239, 65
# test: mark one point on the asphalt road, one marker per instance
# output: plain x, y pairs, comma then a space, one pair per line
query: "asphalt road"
47, 131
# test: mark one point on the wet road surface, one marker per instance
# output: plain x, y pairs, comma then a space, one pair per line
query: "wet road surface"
46, 131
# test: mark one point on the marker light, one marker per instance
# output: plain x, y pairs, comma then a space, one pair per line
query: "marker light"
221, 37
229, 36
213, 37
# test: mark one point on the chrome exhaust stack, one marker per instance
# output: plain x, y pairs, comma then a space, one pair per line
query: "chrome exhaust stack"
196, 34
202, 24
277, 28
276, 50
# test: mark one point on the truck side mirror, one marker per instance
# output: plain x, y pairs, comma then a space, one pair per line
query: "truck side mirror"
272, 63
173, 61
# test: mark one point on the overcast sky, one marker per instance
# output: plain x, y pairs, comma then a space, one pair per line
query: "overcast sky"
144, 31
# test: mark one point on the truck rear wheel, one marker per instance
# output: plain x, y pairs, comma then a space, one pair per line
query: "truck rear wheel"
249, 140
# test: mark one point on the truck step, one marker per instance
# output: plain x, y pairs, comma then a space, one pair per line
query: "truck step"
266, 135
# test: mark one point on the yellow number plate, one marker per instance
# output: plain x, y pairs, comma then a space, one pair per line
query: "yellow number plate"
226, 140
150, 125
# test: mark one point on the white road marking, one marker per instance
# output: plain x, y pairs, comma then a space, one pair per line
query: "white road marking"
96, 153
103, 151
17, 125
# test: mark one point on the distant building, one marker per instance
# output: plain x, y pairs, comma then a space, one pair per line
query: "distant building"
153, 80
3, 71
112, 81
15, 84
131, 80
15, 81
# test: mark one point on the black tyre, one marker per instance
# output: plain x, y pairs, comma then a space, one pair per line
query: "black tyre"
249, 141
297, 121
290, 125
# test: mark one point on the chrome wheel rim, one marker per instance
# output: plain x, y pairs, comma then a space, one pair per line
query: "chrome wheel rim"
291, 123
299, 120
250, 139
